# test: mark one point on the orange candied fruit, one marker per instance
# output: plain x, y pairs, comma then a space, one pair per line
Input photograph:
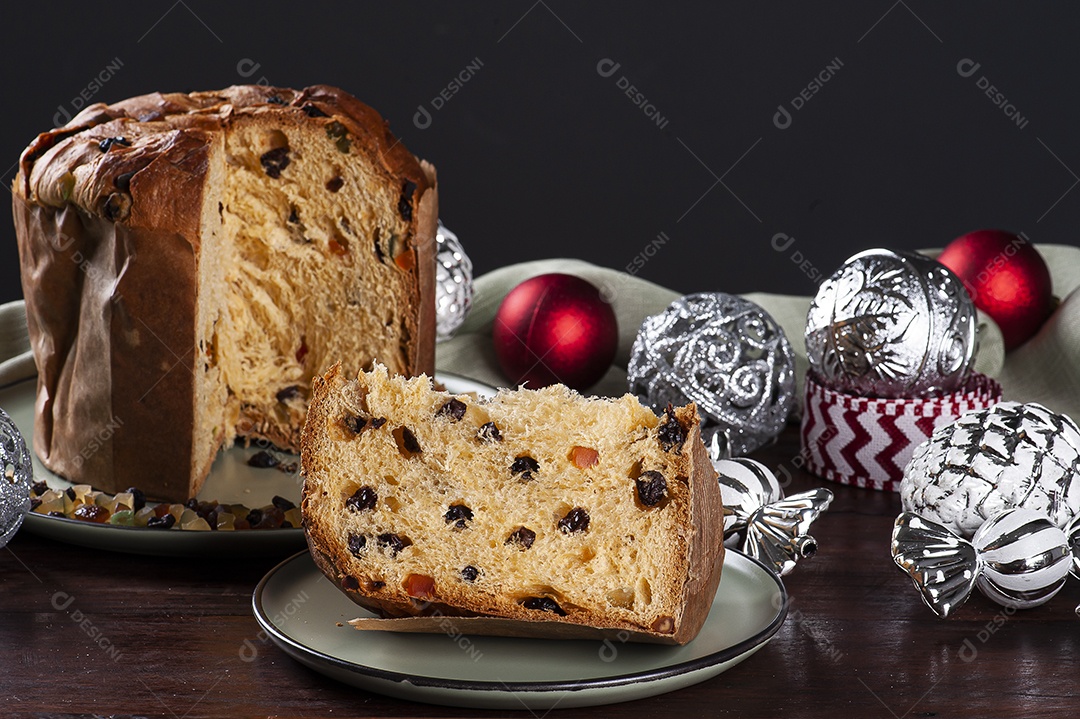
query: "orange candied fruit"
583, 457
419, 586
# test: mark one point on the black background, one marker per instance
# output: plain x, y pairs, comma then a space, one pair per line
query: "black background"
539, 155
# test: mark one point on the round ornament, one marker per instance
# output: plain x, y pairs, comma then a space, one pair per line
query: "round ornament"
453, 284
728, 356
891, 324
16, 474
555, 328
1011, 455
1007, 279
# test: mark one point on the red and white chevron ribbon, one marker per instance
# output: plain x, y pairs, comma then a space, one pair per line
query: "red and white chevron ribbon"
867, 442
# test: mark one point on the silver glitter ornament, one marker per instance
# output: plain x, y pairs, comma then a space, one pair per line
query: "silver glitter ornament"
16, 475
761, 521
1011, 455
725, 354
453, 284
891, 324
1018, 558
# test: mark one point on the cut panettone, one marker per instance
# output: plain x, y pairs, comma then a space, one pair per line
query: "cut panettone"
541, 506
191, 261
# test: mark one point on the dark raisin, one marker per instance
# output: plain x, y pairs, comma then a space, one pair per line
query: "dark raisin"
302, 350
459, 514
350, 583
335, 183
70, 492
543, 604
576, 520
34, 503
123, 180
671, 434
290, 392
394, 542
525, 466
522, 536
353, 423
40, 488
470, 573
405, 203
286, 525
378, 422
165, 522
488, 432
61, 514
211, 519
106, 144
454, 409
274, 161
378, 248
363, 499
408, 440
137, 497
275, 100
192, 503
263, 460
312, 111
357, 543
116, 207
281, 503
340, 136
294, 217
651, 488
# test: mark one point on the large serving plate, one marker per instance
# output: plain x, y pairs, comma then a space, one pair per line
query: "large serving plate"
231, 481
306, 615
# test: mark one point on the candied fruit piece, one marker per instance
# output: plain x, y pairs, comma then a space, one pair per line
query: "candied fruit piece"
226, 522
294, 517
543, 604
91, 513
143, 515
362, 500
454, 409
419, 586
576, 520
523, 537
125, 517
584, 457
198, 524
651, 488
459, 515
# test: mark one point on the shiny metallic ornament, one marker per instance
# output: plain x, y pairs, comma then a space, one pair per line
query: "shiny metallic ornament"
16, 475
1010, 455
1017, 558
728, 356
891, 324
453, 284
761, 521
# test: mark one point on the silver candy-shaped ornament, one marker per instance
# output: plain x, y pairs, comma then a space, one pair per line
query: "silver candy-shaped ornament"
761, 521
728, 356
1018, 558
16, 475
453, 284
891, 324
1011, 455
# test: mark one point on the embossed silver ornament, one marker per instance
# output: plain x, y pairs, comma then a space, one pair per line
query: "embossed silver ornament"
761, 521
1018, 558
16, 474
891, 324
453, 284
1011, 455
728, 356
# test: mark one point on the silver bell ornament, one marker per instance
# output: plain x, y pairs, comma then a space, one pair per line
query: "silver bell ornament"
1018, 558
1010, 455
891, 324
453, 284
16, 475
760, 521
727, 355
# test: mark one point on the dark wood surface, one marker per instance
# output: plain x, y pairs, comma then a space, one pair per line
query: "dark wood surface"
857, 641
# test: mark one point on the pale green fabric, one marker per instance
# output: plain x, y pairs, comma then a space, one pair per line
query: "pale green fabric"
1045, 370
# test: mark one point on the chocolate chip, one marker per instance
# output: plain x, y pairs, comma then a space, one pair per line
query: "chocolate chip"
263, 460
488, 432
312, 111
469, 573
459, 515
576, 520
274, 161
357, 544
335, 183
138, 498
123, 181
163, 522
281, 503
522, 536
362, 499
651, 488
275, 100
525, 466
408, 440
405, 203
350, 583
454, 409
106, 144
671, 434
290, 392
543, 604
378, 422
394, 542
354, 423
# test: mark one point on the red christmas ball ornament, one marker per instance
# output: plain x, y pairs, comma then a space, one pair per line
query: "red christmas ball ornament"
555, 328
1007, 279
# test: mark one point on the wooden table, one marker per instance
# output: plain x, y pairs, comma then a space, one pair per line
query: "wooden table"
857, 641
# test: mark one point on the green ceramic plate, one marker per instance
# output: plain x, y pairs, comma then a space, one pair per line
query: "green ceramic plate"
231, 480
301, 610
